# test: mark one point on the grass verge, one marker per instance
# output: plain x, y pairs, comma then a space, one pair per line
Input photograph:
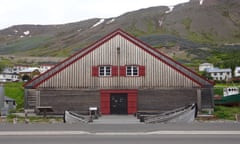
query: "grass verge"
227, 113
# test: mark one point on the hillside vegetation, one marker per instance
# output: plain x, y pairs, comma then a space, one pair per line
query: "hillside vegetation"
191, 32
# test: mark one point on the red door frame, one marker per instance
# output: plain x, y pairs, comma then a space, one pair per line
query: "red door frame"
105, 100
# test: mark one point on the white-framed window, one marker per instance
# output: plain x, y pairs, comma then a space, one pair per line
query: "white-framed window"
132, 71
105, 71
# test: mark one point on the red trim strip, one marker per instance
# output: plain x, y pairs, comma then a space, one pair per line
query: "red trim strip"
95, 71
142, 71
114, 70
122, 70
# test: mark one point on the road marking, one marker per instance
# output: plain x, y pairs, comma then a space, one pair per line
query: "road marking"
22, 133
197, 132
51, 133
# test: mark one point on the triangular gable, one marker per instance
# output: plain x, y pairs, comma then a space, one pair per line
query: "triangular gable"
167, 60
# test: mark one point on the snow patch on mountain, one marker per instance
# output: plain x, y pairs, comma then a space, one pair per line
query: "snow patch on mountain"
160, 22
170, 9
201, 2
98, 23
26, 32
110, 21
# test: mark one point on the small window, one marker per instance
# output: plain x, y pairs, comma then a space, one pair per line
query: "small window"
105, 71
132, 70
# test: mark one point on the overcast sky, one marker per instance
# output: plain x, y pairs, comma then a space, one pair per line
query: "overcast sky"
14, 12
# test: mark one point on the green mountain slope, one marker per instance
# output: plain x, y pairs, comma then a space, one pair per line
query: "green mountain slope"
186, 32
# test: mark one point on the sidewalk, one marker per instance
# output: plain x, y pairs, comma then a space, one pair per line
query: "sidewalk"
116, 119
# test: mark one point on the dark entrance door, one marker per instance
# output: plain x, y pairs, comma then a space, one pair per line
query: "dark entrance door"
118, 103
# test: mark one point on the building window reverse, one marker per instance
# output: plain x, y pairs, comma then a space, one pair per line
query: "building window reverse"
132, 71
118, 71
105, 71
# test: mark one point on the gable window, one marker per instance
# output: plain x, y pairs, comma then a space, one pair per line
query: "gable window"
132, 71
111, 71
104, 70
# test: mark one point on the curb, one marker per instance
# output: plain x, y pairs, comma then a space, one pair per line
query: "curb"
59, 133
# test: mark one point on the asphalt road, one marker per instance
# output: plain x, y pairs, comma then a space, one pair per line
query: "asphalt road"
229, 126
146, 139
194, 133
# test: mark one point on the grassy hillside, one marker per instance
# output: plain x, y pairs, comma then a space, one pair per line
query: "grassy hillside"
212, 24
25, 44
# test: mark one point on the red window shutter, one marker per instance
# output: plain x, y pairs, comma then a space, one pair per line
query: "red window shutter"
141, 70
95, 71
114, 70
122, 71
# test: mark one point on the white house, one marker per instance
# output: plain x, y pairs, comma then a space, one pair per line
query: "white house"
220, 74
45, 67
205, 66
15, 69
8, 77
237, 72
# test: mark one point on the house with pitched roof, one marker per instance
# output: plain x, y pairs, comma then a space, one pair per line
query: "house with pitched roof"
237, 71
119, 74
220, 74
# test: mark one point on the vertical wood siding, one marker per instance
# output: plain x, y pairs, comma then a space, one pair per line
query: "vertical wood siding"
79, 73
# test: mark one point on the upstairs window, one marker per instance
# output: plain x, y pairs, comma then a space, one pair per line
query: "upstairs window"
101, 71
132, 71
105, 71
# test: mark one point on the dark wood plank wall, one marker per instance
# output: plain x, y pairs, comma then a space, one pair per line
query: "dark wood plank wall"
165, 99
74, 100
147, 100
30, 98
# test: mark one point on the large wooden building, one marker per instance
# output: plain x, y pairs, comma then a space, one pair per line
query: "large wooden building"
120, 75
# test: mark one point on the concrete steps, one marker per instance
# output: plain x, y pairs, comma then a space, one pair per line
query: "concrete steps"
116, 119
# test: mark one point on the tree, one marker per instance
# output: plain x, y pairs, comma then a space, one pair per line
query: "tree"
206, 75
